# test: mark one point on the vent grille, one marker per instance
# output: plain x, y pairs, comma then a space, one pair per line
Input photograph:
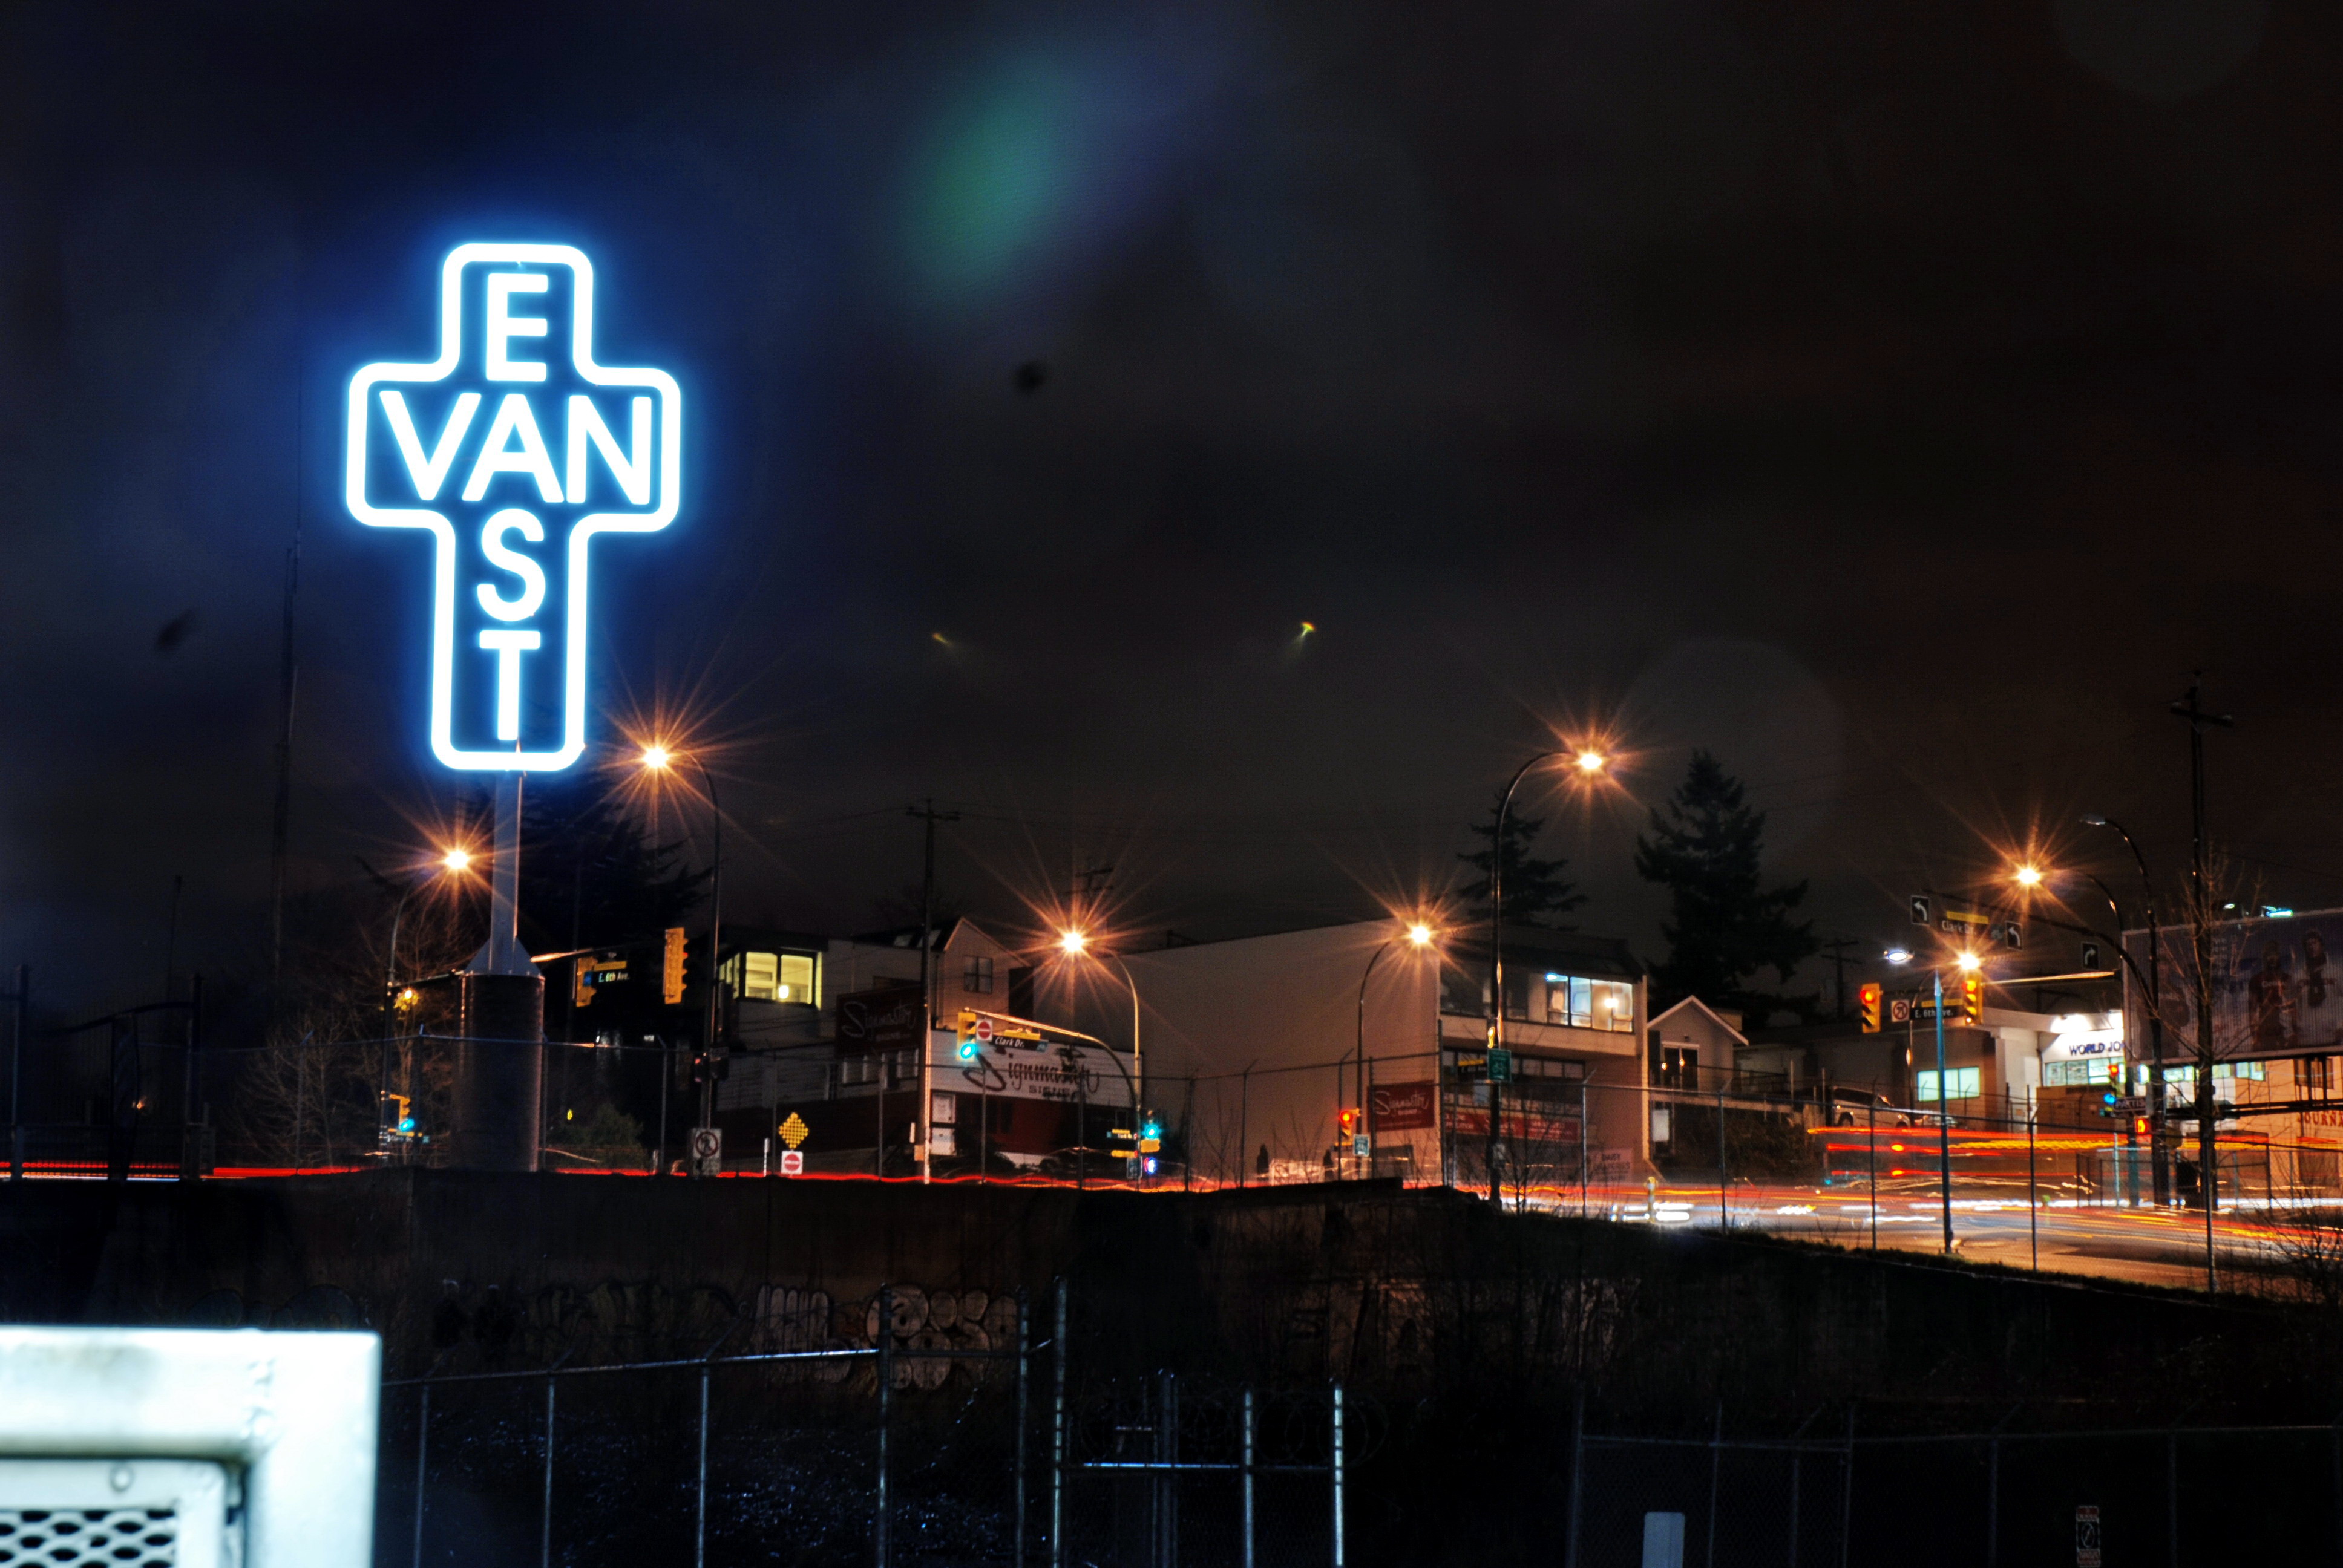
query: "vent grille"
133, 1513
89, 1538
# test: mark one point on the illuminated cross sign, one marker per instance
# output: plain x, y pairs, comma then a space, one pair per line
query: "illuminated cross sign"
515, 448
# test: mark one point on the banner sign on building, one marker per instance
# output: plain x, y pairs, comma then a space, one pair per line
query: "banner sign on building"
513, 448
1403, 1107
2277, 986
885, 1020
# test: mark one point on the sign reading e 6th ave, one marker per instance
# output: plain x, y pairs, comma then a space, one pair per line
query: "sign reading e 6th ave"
513, 448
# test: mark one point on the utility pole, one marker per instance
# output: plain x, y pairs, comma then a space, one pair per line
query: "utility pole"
21, 995
2191, 709
281, 823
1837, 949
1084, 888
171, 940
928, 813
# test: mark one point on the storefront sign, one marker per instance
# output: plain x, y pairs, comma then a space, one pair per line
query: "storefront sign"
884, 1019
1083, 1075
1403, 1107
513, 448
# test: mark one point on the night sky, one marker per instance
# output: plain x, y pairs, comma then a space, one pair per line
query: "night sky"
1898, 398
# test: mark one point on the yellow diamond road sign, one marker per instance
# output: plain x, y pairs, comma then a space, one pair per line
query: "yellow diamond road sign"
794, 1130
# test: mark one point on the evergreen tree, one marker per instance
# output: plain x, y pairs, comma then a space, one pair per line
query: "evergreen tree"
1535, 890
589, 873
1723, 925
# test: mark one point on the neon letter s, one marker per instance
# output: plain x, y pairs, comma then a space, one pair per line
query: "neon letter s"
531, 575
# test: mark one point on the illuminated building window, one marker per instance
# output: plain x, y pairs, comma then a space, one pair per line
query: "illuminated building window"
977, 977
2251, 1071
1963, 1079
2085, 1070
775, 976
1575, 1002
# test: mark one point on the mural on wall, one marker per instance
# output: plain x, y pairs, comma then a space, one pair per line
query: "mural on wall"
622, 1321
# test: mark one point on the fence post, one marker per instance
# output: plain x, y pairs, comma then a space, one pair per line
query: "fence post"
700, 1511
2033, 1199
1250, 1473
1715, 1455
1163, 1485
2172, 1497
1024, 1355
1724, 1197
2336, 1443
1058, 1439
1244, 1131
1846, 1492
422, 1445
1582, 1155
1578, 1470
1871, 1137
1992, 1501
1338, 1476
545, 1529
886, 1338
1796, 1454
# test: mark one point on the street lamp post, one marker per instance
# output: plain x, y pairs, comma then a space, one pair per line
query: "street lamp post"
457, 859
1418, 936
1965, 962
2159, 1154
660, 760
1943, 1107
1590, 762
1076, 944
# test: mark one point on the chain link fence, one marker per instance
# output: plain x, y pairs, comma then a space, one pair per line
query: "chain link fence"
866, 1442
2129, 1496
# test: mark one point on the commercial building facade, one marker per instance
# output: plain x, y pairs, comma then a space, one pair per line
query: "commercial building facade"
829, 1060
1344, 1051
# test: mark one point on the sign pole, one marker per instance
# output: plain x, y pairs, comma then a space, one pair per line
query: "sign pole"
1943, 1117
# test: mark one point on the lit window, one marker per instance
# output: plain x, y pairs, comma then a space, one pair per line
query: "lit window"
760, 975
2186, 1077
1964, 1080
776, 977
1575, 1002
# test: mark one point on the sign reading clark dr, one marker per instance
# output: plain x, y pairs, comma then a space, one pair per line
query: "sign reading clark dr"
513, 448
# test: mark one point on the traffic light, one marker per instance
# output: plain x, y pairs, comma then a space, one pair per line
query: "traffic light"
1151, 1137
1870, 1000
671, 965
1973, 997
1349, 1120
710, 1064
398, 1116
693, 968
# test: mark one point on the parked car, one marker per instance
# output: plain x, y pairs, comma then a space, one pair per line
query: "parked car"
1853, 1106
